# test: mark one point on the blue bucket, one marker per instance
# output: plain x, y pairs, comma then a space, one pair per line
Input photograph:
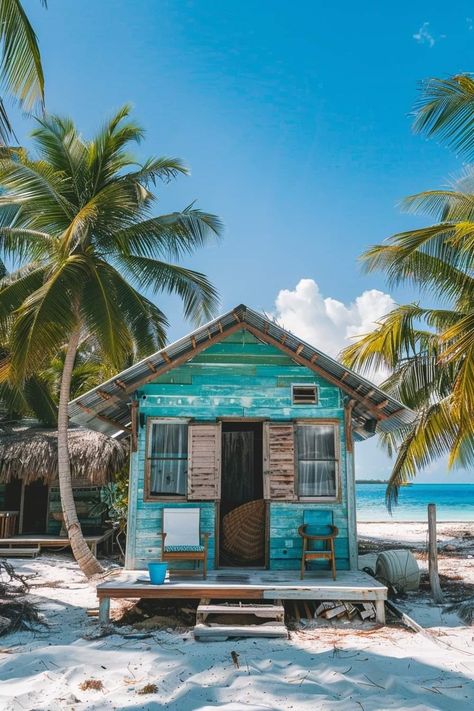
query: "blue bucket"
157, 572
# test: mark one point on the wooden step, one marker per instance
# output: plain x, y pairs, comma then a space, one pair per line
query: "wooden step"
19, 552
211, 632
272, 612
207, 629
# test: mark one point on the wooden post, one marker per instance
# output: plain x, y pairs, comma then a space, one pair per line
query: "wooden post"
433, 555
104, 611
134, 425
380, 611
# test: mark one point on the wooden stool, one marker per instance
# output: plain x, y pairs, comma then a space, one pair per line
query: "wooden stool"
327, 554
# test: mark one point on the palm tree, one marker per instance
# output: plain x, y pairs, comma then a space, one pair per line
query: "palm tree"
37, 397
430, 351
77, 218
20, 69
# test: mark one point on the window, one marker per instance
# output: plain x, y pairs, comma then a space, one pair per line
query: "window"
316, 460
304, 394
167, 458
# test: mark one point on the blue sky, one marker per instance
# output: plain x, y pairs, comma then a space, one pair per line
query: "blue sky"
294, 118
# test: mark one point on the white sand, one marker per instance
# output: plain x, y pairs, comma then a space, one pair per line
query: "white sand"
455, 544
334, 667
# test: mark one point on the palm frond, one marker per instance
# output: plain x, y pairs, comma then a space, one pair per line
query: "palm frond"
147, 324
430, 437
21, 69
16, 287
445, 110
395, 339
18, 244
199, 297
154, 169
169, 236
45, 317
60, 144
91, 201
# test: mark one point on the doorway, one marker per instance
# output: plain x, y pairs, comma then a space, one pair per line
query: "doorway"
35, 508
242, 507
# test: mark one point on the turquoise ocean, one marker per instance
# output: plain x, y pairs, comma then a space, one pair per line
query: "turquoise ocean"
454, 502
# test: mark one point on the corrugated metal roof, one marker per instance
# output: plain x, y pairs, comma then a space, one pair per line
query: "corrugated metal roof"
106, 408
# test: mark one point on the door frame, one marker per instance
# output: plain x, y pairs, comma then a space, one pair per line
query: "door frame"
217, 503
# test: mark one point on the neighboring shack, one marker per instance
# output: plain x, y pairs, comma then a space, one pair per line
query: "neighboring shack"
250, 424
29, 486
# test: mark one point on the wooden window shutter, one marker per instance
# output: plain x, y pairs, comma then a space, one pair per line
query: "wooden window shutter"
279, 461
204, 462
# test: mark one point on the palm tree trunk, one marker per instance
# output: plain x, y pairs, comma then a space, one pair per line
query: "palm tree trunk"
82, 553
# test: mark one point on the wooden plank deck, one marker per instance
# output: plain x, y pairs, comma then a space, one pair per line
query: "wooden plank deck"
245, 584
44, 540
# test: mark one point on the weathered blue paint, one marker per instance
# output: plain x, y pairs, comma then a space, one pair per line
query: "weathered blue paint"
239, 377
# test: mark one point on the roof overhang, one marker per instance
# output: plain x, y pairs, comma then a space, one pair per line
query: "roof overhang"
106, 408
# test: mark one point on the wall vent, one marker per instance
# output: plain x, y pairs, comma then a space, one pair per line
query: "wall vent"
304, 394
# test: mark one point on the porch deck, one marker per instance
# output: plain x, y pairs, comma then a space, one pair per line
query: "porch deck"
43, 540
246, 584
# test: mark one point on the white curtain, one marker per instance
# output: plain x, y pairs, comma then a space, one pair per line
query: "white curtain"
316, 451
168, 452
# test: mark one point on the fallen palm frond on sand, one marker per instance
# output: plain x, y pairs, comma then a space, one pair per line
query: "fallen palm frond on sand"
465, 610
16, 611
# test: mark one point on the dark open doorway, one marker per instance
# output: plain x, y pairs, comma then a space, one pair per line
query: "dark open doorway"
35, 507
242, 509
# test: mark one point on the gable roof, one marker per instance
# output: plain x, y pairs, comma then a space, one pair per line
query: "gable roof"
106, 408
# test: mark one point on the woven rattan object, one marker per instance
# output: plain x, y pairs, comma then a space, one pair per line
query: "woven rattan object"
242, 531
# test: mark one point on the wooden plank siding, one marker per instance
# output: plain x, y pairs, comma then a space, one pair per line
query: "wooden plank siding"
240, 377
285, 546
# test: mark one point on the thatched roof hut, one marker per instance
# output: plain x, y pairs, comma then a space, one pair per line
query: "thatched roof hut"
31, 453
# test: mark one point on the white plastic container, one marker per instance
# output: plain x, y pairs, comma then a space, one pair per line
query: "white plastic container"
399, 569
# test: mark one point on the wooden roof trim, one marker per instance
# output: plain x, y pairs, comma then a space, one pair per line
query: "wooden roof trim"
376, 409
161, 370
108, 420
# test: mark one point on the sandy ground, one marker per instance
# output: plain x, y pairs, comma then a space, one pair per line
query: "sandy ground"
455, 550
339, 666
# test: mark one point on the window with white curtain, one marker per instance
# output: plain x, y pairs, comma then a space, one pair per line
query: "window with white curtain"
316, 452
167, 455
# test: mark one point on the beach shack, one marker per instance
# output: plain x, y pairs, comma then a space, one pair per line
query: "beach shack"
31, 517
252, 428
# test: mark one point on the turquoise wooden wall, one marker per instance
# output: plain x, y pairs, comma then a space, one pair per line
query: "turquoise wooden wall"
238, 377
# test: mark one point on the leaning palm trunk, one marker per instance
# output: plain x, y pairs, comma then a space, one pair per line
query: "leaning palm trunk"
84, 244
82, 553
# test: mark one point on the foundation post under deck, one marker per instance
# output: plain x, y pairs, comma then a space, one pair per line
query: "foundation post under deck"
380, 611
104, 611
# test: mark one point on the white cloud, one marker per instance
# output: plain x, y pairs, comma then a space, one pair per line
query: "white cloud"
469, 23
327, 323
424, 36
